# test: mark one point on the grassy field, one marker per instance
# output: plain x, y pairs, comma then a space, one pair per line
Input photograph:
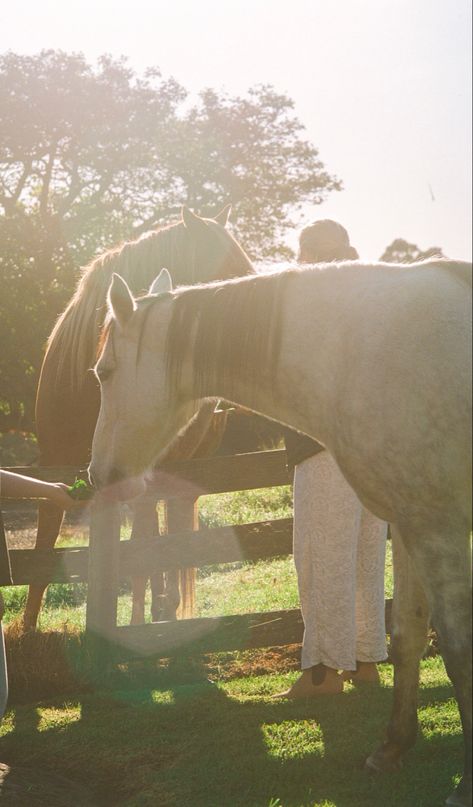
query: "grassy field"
208, 733
226, 743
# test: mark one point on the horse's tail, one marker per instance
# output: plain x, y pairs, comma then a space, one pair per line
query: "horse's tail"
187, 578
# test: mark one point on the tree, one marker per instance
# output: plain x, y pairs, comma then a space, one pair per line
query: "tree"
249, 150
92, 155
78, 168
81, 148
401, 251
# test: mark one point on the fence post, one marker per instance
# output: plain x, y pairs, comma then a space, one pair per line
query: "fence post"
103, 579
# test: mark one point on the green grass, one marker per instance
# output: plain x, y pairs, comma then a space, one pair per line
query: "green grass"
246, 506
195, 734
249, 588
228, 744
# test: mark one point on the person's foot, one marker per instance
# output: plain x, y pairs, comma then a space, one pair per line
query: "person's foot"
314, 681
366, 673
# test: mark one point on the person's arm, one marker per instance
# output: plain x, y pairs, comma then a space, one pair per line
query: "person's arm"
15, 486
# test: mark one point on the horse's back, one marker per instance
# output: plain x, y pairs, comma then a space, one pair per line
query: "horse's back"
428, 342
462, 270
398, 379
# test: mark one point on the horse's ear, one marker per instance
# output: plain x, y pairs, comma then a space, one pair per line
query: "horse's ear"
121, 302
223, 216
162, 283
191, 220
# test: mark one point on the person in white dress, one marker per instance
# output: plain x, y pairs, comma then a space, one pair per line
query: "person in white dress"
339, 546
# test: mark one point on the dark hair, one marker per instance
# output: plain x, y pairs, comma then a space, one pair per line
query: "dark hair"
325, 240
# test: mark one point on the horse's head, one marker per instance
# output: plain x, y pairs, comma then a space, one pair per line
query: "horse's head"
139, 416
206, 250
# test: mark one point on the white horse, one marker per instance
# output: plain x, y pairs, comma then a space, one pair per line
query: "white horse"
374, 361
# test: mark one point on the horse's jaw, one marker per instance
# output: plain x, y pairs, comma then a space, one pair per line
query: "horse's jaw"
123, 490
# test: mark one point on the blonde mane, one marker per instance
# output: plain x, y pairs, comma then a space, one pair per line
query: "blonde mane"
238, 338
76, 332
75, 335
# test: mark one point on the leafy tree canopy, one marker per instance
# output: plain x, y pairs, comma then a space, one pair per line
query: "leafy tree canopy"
401, 251
93, 154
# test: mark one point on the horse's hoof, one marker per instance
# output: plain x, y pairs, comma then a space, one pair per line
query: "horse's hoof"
384, 760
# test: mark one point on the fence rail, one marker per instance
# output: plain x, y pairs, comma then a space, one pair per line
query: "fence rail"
107, 560
262, 540
209, 634
188, 478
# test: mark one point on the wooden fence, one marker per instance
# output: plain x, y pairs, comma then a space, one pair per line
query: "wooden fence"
107, 560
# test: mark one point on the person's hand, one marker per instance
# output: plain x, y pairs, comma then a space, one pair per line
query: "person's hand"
58, 493
17, 486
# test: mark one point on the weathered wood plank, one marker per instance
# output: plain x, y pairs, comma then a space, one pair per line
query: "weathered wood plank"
208, 635
205, 547
49, 565
197, 477
103, 568
257, 541
213, 634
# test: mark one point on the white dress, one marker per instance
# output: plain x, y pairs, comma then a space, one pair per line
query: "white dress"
339, 553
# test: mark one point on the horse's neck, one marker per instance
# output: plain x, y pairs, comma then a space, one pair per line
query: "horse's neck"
302, 380
304, 388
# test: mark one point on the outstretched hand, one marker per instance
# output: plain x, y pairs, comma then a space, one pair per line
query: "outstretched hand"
59, 494
17, 486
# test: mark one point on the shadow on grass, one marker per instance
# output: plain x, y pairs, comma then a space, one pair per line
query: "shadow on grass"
179, 742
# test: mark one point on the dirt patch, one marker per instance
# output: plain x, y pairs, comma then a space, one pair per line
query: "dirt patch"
44, 663
24, 537
266, 661
20, 538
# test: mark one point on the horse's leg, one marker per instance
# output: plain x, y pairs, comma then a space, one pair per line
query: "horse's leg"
157, 578
158, 595
443, 562
145, 525
445, 567
182, 515
49, 524
409, 634
201, 439
175, 590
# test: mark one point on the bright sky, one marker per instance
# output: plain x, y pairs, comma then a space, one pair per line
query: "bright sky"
382, 86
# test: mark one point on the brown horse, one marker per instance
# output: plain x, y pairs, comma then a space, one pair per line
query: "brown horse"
68, 399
